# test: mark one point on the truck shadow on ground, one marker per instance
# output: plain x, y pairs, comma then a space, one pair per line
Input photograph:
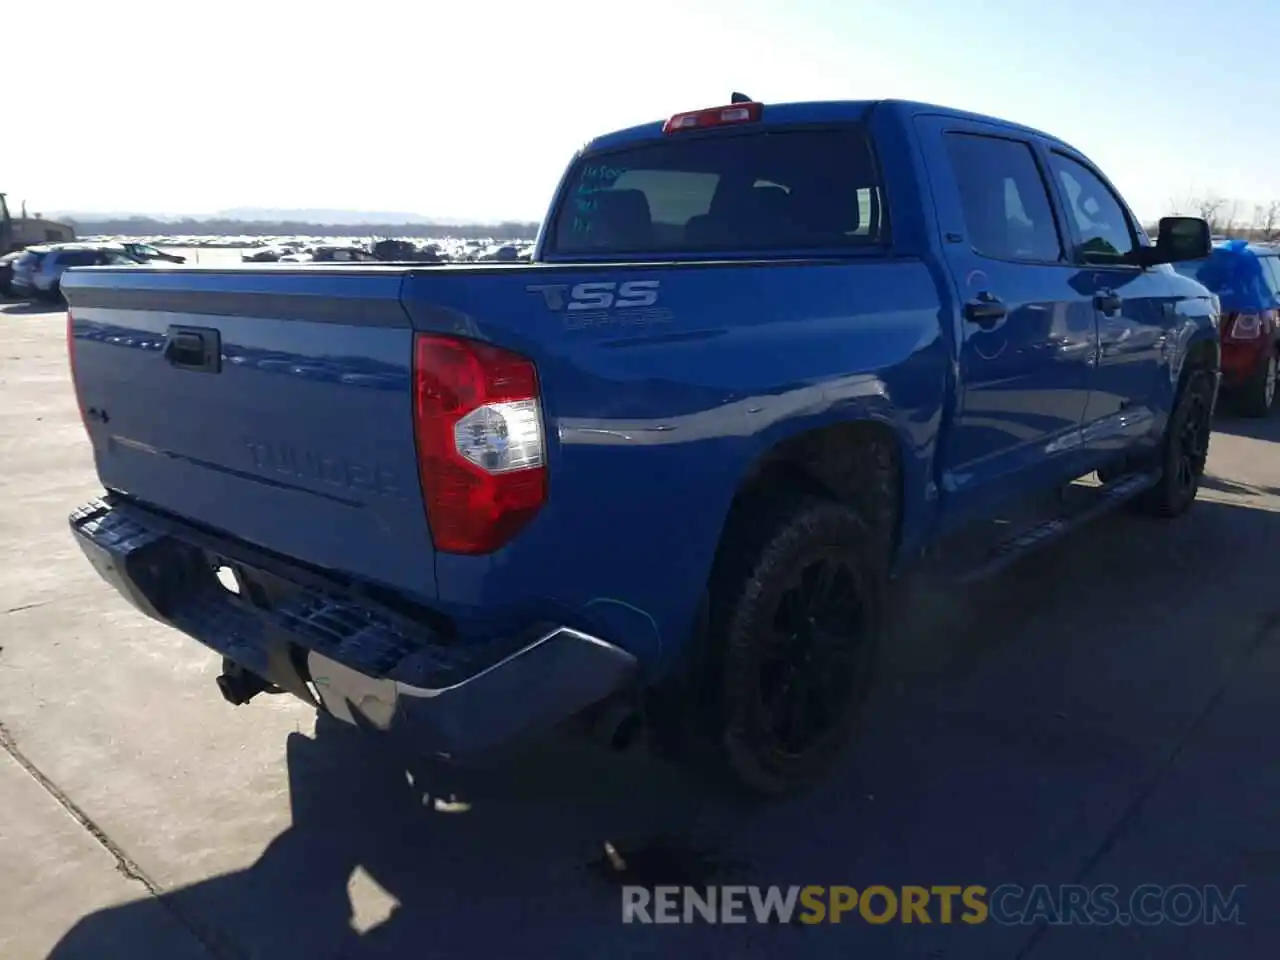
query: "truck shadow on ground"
1014, 727
18, 308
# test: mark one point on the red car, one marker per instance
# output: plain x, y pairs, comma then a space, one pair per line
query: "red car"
1246, 278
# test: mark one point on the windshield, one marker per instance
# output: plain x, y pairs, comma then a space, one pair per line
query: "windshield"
794, 191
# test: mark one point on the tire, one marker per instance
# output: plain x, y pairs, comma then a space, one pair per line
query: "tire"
1257, 395
1185, 449
798, 606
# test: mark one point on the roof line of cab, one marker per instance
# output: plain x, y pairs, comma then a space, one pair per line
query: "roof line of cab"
821, 111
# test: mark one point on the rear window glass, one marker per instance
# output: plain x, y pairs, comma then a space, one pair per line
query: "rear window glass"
797, 190
78, 258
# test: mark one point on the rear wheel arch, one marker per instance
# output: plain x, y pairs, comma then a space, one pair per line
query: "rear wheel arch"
837, 483
858, 463
1204, 353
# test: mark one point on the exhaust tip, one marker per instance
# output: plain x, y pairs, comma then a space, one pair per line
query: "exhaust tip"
238, 686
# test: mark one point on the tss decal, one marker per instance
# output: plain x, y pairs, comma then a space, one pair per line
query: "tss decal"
601, 295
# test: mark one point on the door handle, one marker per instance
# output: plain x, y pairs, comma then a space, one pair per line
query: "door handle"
1108, 302
985, 309
198, 349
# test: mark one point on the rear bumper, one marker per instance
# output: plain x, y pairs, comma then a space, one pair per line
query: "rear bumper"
346, 654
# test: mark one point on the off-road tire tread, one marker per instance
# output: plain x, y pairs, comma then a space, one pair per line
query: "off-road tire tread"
1164, 500
761, 541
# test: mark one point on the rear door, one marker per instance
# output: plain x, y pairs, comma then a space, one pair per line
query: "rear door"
1027, 333
1135, 315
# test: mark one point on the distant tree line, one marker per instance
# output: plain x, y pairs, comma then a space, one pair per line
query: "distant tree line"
149, 227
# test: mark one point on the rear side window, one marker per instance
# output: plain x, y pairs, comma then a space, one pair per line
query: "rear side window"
79, 258
1006, 206
792, 190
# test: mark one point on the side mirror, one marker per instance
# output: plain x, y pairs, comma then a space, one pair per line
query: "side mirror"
1179, 239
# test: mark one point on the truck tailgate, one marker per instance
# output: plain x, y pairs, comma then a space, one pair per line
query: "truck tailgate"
271, 405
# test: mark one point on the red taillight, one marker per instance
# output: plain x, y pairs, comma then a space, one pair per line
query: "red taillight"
477, 419
714, 117
1247, 326
71, 364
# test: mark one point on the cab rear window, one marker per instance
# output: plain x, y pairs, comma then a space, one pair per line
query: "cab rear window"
766, 191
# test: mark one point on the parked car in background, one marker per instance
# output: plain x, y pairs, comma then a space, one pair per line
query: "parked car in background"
505, 253
392, 250
23, 269
1246, 278
269, 254
337, 254
39, 272
6, 270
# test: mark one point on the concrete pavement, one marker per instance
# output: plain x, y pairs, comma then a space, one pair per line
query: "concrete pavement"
1101, 714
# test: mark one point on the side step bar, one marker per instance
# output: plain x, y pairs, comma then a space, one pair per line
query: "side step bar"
1097, 501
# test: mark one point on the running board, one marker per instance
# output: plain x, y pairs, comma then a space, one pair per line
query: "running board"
1096, 502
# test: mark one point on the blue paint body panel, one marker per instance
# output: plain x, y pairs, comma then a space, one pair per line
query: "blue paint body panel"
303, 443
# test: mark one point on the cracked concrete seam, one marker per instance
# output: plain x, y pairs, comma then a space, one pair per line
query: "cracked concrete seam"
124, 864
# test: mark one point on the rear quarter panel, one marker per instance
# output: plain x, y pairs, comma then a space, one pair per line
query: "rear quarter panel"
655, 416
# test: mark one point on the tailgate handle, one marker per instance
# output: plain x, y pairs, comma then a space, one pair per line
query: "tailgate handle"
194, 348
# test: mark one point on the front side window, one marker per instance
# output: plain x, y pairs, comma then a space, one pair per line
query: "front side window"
1007, 211
1105, 232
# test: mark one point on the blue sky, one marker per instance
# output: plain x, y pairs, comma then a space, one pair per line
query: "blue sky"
470, 109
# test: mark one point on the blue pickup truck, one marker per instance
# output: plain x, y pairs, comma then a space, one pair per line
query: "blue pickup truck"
765, 359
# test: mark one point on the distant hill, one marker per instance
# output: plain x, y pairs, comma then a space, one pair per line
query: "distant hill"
126, 225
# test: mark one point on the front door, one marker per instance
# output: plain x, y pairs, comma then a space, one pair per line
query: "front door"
1135, 313
1027, 337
